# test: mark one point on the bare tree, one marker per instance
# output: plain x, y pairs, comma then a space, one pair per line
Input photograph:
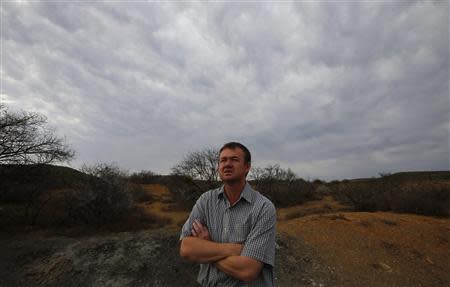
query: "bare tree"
272, 172
201, 164
25, 139
257, 173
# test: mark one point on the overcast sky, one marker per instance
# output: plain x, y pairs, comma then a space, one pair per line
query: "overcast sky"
332, 90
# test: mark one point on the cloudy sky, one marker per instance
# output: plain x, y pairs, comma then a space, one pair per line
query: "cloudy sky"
331, 89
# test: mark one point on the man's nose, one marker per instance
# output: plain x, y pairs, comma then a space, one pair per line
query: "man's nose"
227, 163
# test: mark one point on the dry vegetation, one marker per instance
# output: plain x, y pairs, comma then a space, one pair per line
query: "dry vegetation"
398, 194
325, 234
326, 205
163, 206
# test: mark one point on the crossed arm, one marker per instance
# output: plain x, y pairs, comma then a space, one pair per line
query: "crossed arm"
226, 256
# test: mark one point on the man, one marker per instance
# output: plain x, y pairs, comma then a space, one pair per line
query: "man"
231, 230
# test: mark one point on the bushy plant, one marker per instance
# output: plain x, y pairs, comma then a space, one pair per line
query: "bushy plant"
104, 198
363, 196
143, 177
139, 194
285, 193
185, 190
271, 172
428, 197
322, 190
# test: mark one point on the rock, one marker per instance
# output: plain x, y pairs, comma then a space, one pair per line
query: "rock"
428, 259
382, 266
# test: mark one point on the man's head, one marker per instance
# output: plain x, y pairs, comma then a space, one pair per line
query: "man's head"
234, 162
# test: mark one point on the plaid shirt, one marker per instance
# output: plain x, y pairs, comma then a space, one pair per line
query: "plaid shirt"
250, 221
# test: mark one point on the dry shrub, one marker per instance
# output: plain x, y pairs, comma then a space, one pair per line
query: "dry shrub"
51, 196
427, 197
184, 190
139, 194
363, 196
284, 193
96, 203
323, 190
100, 199
143, 177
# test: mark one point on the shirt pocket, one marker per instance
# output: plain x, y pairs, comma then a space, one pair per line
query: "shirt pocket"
239, 233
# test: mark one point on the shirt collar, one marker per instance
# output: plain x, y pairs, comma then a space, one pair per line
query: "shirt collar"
247, 193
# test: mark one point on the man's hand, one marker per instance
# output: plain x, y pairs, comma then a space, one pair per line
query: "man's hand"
200, 231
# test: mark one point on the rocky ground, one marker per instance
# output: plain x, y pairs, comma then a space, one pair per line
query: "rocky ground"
338, 249
144, 258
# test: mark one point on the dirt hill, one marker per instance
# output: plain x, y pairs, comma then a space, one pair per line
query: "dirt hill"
39, 176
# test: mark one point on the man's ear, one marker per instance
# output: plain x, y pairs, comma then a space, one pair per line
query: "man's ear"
249, 166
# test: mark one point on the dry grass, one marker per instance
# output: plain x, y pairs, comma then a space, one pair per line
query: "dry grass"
327, 205
378, 249
158, 191
163, 206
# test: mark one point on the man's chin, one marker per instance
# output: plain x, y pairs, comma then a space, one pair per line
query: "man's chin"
230, 179
226, 178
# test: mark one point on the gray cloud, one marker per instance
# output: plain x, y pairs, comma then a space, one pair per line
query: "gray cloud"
331, 90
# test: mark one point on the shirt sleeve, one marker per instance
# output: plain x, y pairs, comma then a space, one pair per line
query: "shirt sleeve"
198, 212
260, 243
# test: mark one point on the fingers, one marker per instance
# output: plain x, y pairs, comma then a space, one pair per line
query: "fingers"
197, 222
197, 228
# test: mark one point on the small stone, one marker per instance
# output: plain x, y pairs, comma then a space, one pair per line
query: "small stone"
384, 266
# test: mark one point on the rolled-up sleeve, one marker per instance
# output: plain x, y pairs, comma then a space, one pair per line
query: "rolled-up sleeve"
260, 243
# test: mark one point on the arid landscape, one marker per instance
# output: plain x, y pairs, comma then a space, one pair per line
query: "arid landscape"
116, 116
320, 242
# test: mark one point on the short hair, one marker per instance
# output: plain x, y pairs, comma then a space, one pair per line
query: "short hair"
234, 145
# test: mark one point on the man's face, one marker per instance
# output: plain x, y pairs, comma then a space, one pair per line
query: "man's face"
232, 166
